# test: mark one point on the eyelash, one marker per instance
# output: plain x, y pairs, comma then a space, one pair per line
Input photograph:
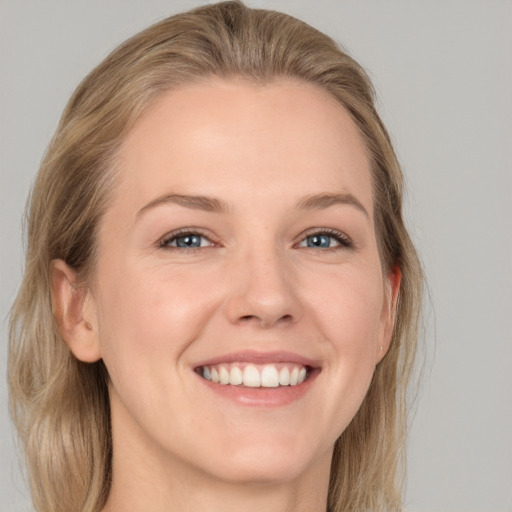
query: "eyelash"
343, 241
341, 238
183, 233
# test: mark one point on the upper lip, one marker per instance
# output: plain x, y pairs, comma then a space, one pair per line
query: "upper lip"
256, 357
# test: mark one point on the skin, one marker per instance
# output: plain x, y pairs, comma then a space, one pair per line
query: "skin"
154, 312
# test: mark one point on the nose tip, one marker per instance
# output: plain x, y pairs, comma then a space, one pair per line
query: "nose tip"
263, 294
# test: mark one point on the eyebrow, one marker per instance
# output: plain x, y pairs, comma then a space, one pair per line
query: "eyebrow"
215, 205
321, 201
205, 203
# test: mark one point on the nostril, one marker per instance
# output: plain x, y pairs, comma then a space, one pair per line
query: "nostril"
248, 318
255, 318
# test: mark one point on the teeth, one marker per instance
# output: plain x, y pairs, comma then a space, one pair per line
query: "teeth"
284, 376
252, 377
255, 376
269, 377
223, 375
235, 376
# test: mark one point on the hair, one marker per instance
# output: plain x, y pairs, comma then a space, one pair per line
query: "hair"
59, 404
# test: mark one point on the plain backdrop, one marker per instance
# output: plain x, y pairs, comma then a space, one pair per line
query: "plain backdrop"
443, 74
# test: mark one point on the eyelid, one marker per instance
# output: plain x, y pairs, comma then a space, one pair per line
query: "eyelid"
342, 238
181, 232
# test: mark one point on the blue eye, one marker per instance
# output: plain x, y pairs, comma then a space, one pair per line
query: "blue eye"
188, 241
326, 240
185, 241
321, 241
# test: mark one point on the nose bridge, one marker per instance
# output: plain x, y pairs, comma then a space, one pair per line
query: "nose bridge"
262, 287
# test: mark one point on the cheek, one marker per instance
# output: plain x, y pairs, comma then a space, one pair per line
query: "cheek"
349, 307
149, 317
348, 315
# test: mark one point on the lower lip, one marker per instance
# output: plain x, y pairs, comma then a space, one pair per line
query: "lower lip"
262, 397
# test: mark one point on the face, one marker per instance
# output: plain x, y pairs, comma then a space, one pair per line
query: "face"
239, 303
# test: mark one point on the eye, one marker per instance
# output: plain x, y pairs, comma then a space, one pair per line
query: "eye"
326, 239
185, 240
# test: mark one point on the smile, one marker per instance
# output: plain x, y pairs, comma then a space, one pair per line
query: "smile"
255, 375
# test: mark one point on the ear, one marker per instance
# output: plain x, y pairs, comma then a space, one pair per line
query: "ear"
392, 285
73, 309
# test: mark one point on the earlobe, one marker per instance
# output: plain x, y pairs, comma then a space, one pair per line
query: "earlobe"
74, 312
389, 313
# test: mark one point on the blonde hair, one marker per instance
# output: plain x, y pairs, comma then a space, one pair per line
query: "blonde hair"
59, 404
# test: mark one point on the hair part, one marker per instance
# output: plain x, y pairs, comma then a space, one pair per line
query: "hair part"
59, 404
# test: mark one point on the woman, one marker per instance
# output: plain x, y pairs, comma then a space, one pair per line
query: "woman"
219, 306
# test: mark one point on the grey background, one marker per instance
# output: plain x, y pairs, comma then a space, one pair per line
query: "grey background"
443, 72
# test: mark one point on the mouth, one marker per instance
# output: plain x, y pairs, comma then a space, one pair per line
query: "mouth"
251, 375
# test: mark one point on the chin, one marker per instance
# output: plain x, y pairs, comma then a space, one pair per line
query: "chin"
266, 460
261, 470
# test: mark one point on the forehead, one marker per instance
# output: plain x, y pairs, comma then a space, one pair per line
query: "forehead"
228, 138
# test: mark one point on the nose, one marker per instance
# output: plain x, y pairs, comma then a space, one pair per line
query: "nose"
263, 291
